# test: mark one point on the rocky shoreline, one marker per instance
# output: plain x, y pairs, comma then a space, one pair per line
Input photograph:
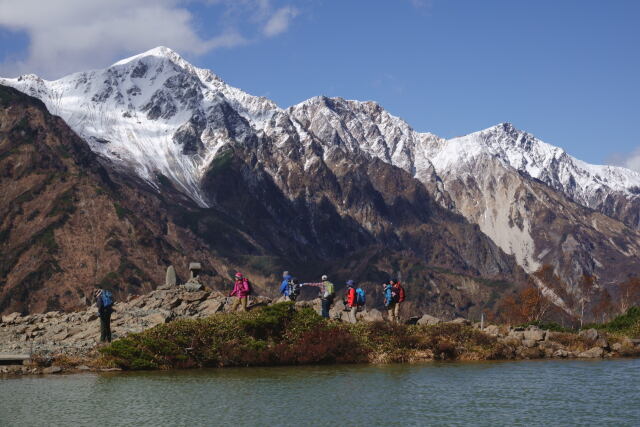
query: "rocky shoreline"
67, 342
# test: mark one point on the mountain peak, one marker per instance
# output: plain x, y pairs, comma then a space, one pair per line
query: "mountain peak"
159, 51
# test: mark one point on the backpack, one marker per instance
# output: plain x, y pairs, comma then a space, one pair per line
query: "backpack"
360, 296
246, 286
294, 289
401, 294
395, 294
107, 299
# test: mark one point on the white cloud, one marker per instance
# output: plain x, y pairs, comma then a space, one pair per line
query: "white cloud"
630, 161
73, 35
279, 21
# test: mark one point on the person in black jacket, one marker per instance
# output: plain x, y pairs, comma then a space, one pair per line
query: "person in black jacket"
104, 312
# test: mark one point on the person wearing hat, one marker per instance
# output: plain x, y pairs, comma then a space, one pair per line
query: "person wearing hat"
241, 290
327, 294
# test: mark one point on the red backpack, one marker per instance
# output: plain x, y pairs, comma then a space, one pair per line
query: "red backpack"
246, 286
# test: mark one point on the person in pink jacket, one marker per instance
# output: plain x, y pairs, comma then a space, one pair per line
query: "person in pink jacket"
241, 290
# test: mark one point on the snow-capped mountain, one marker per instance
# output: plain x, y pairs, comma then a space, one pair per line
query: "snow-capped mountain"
154, 113
157, 115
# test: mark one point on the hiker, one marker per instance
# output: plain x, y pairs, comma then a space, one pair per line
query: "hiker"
397, 293
388, 298
294, 289
327, 293
361, 298
241, 290
285, 285
351, 303
104, 301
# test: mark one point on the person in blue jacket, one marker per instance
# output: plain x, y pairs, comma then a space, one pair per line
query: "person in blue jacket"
284, 286
388, 298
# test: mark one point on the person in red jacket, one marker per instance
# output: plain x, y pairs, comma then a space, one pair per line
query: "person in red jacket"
351, 300
398, 297
241, 290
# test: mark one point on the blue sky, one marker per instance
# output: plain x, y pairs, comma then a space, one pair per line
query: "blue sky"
566, 71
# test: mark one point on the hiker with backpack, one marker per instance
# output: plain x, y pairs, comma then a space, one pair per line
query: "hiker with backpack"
350, 300
398, 295
285, 286
361, 298
327, 294
241, 290
389, 304
104, 301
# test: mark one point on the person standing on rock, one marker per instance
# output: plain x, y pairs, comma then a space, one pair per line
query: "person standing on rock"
104, 301
241, 290
327, 294
285, 286
388, 299
351, 300
398, 295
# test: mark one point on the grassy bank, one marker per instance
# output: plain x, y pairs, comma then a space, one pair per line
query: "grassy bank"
281, 335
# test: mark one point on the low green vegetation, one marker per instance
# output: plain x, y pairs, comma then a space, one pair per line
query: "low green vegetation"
627, 324
279, 334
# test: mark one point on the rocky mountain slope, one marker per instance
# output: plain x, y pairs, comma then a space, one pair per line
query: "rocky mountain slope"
329, 178
71, 219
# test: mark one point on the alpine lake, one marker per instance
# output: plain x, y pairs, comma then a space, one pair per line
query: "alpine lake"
526, 393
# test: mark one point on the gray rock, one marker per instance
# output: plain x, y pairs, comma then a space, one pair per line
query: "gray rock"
170, 278
428, 320
10, 318
534, 334
616, 347
493, 330
592, 353
590, 334
560, 353
529, 343
52, 370
192, 287
372, 315
460, 321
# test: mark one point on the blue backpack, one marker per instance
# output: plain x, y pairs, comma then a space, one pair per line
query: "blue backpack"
107, 299
361, 297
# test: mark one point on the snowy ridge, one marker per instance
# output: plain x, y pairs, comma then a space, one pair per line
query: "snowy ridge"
581, 181
155, 113
130, 113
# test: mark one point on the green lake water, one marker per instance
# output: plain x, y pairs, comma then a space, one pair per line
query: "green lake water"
498, 393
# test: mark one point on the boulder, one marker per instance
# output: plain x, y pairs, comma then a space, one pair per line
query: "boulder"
461, 321
195, 296
529, 343
493, 330
210, 307
519, 335
372, 315
616, 347
592, 353
52, 370
10, 318
534, 334
589, 334
561, 353
428, 320
157, 318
